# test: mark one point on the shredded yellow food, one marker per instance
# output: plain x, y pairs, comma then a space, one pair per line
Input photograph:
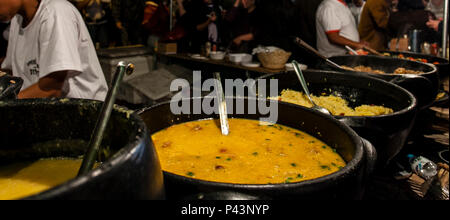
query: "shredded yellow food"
336, 105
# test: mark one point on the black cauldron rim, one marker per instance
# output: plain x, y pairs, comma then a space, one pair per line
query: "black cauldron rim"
413, 101
432, 66
442, 61
118, 158
350, 167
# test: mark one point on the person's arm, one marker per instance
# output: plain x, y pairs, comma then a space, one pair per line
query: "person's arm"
116, 11
205, 24
232, 15
181, 8
337, 39
245, 37
47, 87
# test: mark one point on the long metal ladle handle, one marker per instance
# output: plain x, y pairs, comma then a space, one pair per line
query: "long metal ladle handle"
302, 80
224, 126
308, 47
102, 122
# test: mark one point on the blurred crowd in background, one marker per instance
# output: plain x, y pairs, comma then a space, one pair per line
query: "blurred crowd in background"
241, 25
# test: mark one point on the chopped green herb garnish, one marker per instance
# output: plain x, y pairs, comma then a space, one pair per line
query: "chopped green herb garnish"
333, 164
312, 142
268, 139
228, 159
299, 176
325, 167
294, 164
288, 180
324, 147
334, 150
190, 174
255, 154
218, 157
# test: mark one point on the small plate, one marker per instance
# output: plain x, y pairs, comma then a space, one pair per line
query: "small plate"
198, 56
251, 65
289, 66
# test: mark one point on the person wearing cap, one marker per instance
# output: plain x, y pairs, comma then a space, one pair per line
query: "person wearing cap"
51, 50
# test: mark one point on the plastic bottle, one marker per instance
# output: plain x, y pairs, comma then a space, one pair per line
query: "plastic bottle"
208, 48
423, 166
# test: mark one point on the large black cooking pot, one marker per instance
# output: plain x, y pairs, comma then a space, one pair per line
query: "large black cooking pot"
424, 87
347, 183
442, 66
388, 133
33, 129
9, 87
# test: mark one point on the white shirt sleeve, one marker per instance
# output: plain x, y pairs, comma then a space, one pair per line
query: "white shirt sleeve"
330, 20
58, 42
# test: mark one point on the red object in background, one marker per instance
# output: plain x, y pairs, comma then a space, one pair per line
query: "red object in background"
362, 52
156, 19
434, 49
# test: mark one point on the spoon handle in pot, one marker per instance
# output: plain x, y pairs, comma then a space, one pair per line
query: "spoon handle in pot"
222, 105
308, 47
102, 122
300, 76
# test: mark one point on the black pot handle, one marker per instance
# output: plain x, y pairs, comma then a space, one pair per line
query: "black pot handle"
371, 158
419, 86
11, 89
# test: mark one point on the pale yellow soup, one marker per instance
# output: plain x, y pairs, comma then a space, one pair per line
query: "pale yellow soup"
251, 154
21, 180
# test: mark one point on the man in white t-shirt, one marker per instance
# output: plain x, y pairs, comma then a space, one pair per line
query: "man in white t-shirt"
50, 48
336, 28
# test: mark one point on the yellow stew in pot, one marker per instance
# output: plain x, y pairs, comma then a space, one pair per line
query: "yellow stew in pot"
24, 179
251, 154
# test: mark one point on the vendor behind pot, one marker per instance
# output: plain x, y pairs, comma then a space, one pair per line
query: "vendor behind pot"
50, 48
244, 18
336, 28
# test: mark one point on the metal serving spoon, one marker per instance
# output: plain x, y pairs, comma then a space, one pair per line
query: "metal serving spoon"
305, 88
224, 126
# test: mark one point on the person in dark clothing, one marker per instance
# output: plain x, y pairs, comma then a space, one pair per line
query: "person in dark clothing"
438, 26
411, 15
303, 25
156, 22
405, 5
199, 19
3, 41
243, 20
277, 23
94, 14
128, 16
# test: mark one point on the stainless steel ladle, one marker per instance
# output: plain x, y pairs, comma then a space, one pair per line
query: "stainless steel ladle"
305, 88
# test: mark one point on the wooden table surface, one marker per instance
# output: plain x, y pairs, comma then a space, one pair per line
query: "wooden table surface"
223, 63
